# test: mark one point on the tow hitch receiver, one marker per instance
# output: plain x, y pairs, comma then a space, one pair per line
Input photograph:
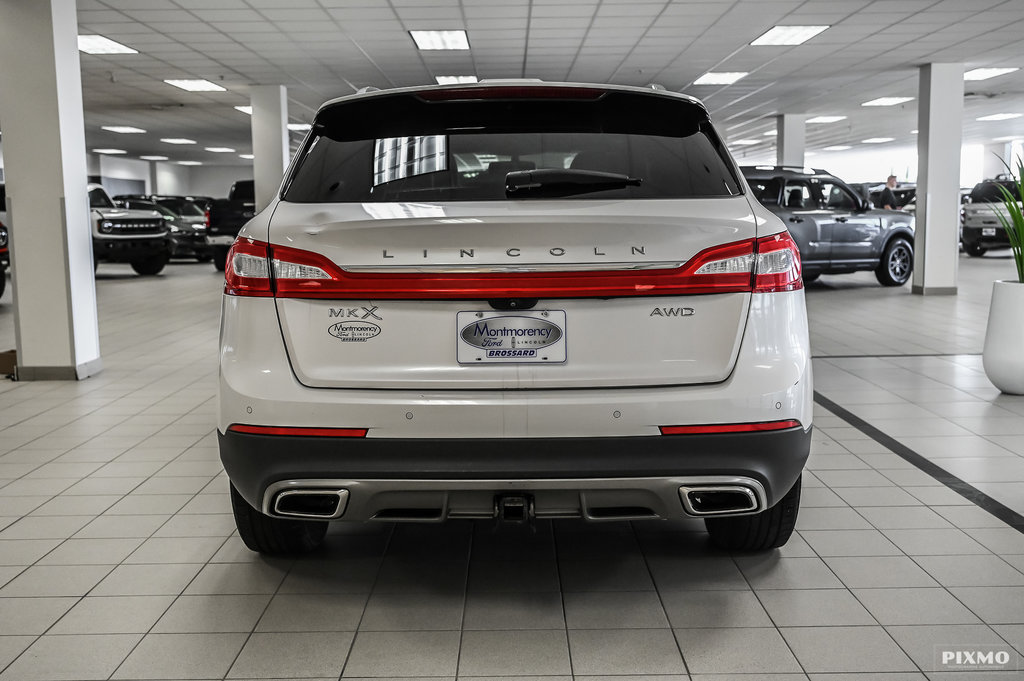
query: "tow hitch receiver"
514, 508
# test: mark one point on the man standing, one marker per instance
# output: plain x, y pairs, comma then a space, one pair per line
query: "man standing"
887, 199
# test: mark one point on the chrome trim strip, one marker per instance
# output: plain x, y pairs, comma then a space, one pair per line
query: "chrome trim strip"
511, 269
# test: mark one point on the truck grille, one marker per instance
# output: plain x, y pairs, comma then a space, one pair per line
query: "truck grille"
132, 226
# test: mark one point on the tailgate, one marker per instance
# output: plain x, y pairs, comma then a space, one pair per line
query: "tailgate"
557, 342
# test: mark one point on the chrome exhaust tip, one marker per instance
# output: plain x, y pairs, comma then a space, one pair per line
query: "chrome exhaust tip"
316, 504
715, 500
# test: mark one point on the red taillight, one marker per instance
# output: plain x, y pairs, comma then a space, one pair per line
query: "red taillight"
255, 268
247, 269
297, 432
714, 428
778, 264
206, 217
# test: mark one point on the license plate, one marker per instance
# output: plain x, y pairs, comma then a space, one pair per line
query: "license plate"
988, 231
220, 240
500, 337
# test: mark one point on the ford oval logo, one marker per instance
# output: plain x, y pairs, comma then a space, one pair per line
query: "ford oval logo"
511, 332
354, 331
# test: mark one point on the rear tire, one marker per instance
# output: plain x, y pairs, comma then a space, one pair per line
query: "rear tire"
220, 258
975, 250
154, 264
808, 278
264, 534
762, 531
897, 263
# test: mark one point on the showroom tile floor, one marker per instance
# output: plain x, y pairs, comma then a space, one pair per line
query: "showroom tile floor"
118, 557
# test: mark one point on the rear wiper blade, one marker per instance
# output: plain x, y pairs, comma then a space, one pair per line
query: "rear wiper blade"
564, 182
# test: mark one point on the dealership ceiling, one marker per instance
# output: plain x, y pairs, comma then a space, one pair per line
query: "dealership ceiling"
320, 49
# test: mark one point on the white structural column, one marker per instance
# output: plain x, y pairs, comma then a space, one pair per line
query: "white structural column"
792, 139
269, 140
56, 329
939, 122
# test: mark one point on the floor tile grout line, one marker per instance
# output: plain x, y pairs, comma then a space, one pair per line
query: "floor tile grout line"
941, 475
369, 594
661, 600
465, 598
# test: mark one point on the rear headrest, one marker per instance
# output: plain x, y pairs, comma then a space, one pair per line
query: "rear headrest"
596, 160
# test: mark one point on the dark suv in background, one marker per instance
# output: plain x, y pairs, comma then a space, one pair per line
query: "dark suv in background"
981, 227
836, 230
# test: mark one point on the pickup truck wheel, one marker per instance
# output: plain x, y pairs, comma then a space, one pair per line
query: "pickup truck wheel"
762, 531
975, 250
220, 258
154, 264
274, 535
897, 263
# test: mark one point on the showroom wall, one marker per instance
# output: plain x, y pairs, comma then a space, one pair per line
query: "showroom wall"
124, 175
215, 181
172, 178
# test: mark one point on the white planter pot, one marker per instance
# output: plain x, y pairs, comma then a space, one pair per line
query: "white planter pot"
1003, 356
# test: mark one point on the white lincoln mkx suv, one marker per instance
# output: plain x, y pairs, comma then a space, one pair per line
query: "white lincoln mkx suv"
514, 300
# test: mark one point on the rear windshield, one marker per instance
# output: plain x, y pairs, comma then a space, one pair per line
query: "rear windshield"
988, 192
404, 148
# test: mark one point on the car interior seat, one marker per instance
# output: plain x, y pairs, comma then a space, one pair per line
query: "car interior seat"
795, 198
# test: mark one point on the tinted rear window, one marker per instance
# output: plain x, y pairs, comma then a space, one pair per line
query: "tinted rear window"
402, 148
988, 192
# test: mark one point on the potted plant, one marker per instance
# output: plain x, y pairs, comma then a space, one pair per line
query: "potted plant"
1003, 356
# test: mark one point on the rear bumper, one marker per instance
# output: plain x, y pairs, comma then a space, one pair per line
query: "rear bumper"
126, 250
465, 474
976, 235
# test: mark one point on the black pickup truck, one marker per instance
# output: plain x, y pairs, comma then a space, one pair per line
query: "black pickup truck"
227, 217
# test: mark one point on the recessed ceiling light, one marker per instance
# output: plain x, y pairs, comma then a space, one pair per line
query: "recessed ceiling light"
838, 147
772, 133
196, 85
441, 40
454, 80
913, 132
720, 77
190, 163
247, 157
887, 101
177, 140
97, 44
109, 151
299, 127
999, 117
985, 74
744, 143
220, 150
244, 109
788, 35
826, 119
153, 158
123, 129
877, 140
